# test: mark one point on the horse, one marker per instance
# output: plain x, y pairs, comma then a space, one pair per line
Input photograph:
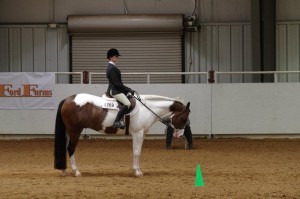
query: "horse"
81, 111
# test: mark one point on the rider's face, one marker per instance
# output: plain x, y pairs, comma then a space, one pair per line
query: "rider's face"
114, 58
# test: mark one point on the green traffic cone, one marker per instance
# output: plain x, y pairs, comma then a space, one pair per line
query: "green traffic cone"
199, 180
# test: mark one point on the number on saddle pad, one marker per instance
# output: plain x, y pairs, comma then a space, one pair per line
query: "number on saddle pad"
110, 105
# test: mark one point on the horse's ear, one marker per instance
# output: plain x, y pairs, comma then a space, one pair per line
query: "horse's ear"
188, 106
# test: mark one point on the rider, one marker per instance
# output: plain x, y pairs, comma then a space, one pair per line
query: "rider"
187, 133
116, 88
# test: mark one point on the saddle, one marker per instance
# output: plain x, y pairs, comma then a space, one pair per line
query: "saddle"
112, 103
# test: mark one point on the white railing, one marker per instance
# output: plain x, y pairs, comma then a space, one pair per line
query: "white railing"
148, 74
275, 73
71, 73
216, 74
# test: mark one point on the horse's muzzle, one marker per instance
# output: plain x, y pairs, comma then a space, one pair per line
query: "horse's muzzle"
178, 133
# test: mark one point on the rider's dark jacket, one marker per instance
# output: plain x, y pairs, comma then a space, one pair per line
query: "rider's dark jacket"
116, 85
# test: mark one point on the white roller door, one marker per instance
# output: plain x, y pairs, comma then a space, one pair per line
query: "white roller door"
159, 49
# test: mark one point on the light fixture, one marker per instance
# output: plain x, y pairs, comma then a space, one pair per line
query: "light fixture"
52, 25
190, 24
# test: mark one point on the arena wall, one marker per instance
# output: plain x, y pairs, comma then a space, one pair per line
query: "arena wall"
237, 109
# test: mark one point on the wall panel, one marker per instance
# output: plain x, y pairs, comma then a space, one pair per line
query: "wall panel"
224, 11
15, 50
224, 59
287, 10
288, 50
204, 54
247, 52
34, 48
51, 50
260, 108
4, 53
63, 55
293, 51
39, 35
236, 45
27, 49
215, 45
221, 47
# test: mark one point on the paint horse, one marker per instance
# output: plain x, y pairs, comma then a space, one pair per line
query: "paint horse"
87, 111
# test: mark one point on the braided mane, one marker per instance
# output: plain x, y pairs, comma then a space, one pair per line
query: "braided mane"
158, 97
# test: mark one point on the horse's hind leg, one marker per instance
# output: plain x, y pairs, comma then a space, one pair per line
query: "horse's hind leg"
64, 171
73, 141
137, 142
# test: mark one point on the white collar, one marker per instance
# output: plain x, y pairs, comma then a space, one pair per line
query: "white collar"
113, 63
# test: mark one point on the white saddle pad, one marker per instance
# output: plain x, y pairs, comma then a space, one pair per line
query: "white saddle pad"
109, 103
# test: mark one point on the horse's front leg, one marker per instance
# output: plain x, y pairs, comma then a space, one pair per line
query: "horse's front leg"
137, 142
74, 166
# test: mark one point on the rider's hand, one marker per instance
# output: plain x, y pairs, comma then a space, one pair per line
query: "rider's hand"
132, 92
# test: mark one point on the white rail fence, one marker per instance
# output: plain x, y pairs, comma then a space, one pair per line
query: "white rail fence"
148, 74
211, 76
275, 73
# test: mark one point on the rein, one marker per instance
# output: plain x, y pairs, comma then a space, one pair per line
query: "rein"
139, 99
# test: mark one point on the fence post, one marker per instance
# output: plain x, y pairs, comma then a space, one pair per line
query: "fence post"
211, 78
85, 77
275, 77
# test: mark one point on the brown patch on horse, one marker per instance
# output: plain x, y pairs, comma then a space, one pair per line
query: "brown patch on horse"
110, 130
177, 106
179, 119
86, 116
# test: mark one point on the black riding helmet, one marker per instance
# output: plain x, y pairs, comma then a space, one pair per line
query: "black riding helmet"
112, 52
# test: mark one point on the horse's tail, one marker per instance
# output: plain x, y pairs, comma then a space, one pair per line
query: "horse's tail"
60, 159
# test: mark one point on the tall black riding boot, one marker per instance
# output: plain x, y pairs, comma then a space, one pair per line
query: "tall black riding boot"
118, 123
169, 137
189, 137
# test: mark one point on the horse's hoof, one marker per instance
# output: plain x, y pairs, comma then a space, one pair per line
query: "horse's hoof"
63, 173
138, 173
77, 174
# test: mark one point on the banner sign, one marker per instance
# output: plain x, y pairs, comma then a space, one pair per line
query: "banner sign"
27, 90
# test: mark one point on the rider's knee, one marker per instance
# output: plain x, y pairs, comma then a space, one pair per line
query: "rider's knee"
128, 105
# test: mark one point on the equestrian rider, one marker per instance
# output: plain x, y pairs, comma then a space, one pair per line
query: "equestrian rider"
116, 88
187, 133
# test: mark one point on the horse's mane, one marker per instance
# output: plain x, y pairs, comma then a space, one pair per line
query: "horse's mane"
158, 97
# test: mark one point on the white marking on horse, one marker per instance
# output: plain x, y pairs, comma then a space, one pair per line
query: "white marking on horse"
110, 118
83, 98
